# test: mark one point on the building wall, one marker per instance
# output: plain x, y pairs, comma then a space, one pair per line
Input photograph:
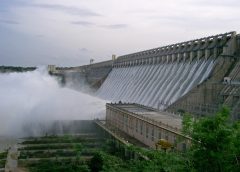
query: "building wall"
51, 68
144, 131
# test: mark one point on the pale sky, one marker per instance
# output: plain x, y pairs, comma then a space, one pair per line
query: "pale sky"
71, 32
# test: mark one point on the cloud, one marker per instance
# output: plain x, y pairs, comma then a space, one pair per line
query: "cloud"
70, 24
89, 24
82, 23
83, 50
39, 35
5, 21
115, 26
68, 9
217, 3
110, 26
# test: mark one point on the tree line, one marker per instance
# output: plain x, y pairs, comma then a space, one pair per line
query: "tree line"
5, 69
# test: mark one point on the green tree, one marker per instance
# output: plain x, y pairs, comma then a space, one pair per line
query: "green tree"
213, 148
187, 124
96, 163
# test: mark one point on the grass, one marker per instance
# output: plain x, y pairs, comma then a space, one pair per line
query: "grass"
58, 153
2, 163
60, 140
60, 146
59, 165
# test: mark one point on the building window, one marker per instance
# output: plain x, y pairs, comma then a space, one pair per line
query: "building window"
184, 146
126, 120
152, 134
175, 140
166, 136
141, 127
159, 135
131, 123
146, 131
136, 125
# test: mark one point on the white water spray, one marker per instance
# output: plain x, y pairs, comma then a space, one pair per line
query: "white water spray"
37, 97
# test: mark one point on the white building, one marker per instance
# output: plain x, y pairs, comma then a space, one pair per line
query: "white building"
149, 126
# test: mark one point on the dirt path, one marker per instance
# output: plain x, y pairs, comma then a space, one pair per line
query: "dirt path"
12, 160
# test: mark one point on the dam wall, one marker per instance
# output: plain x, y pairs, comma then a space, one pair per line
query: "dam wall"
97, 73
91, 75
204, 99
195, 76
154, 85
221, 88
171, 77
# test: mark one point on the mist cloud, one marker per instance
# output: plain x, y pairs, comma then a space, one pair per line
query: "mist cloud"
115, 26
35, 97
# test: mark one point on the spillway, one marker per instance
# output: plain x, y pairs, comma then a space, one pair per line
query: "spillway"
155, 85
194, 76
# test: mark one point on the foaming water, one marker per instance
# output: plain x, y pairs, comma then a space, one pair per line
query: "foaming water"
157, 85
35, 96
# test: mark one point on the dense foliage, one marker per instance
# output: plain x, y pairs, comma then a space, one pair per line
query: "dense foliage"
3, 157
59, 166
216, 142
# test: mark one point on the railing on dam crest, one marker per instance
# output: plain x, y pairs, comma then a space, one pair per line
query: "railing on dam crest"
206, 47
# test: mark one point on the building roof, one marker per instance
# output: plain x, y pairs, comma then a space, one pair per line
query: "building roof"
161, 117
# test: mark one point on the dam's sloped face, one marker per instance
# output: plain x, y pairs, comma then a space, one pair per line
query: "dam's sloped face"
157, 85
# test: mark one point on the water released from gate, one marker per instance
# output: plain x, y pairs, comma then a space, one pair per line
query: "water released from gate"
157, 85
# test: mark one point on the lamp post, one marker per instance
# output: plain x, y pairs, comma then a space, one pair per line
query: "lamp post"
91, 61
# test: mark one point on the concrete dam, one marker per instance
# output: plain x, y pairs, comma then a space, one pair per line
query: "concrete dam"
155, 85
196, 76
